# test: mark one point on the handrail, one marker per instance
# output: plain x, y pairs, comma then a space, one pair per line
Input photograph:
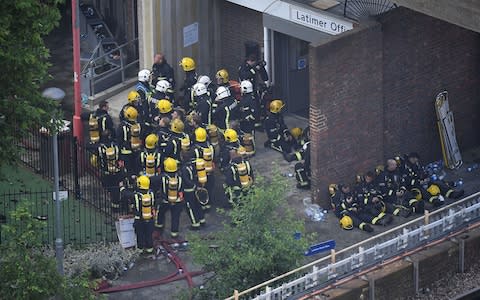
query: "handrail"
355, 246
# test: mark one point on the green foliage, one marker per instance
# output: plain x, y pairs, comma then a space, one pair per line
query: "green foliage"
23, 56
257, 245
25, 271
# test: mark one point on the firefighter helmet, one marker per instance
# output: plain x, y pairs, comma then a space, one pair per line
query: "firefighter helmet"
187, 64
199, 89
164, 106
133, 97
246, 86
434, 190
151, 141
222, 93
163, 86
231, 136
332, 188
379, 169
296, 132
170, 165
177, 126
131, 113
222, 75
200, 134
143, 182
346, 223
276, 106
205, 80
144, 75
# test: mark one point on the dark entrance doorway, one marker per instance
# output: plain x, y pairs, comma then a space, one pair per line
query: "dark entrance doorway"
291, 73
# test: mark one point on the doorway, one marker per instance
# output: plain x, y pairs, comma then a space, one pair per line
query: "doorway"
291, 73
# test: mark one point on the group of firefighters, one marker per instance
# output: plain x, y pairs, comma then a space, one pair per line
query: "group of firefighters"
165, 155
400, 188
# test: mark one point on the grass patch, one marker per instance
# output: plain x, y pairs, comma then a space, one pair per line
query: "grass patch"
21, 178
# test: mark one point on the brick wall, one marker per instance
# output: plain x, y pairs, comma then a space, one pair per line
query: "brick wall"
239, 24
422, 57
346, 108
372, 94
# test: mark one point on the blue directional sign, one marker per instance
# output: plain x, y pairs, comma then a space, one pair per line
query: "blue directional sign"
320, 247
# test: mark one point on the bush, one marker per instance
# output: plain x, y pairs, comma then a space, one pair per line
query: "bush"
257, 245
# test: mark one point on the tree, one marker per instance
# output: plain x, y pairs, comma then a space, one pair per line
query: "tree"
24, 68
25, 272
258, 243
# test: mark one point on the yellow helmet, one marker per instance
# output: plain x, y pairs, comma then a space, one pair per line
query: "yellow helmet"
177, 126
231, 136
143, 182
223, 75
332, 188
133, 96
131, 113
346, 223
296, 132
151, 141
434, 190
200, 134
164, 106
276, 106
170, 165
187, 63
379, 169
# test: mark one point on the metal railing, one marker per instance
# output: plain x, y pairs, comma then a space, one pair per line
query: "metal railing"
370, 252
118, 62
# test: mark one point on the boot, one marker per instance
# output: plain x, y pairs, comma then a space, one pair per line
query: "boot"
367, 228
456, 194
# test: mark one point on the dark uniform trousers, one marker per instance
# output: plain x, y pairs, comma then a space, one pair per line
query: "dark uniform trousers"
194, 209
143, 228
175, 212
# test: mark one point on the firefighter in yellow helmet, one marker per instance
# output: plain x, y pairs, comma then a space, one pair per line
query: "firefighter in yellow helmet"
222, 78
150, 157
129, 137
164, 108
173, 146
238, 177
279, 137
231, 143
194, 181
348, 210
144, 209
98, 122
188, 65
133, 100
170, 196
204, 149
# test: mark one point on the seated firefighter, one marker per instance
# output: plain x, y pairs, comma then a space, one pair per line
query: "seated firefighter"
370, 200
347, 209
431, 191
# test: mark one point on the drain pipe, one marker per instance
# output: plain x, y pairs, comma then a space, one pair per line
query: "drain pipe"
266, 52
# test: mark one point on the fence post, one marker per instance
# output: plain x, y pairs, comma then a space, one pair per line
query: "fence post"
415, 277
75, 168
426, 217
267, 293
461, 253
235, 294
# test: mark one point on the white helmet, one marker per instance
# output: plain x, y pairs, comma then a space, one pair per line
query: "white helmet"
246, 87
162, 86
204, 79
222, 93
199, 89
144, 75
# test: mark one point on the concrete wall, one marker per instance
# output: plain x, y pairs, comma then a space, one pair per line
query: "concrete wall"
373, 89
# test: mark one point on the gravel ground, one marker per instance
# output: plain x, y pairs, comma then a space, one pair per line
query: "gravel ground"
451, 286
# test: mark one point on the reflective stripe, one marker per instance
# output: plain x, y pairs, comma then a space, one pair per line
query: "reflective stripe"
189, 190
448, 193
412, 201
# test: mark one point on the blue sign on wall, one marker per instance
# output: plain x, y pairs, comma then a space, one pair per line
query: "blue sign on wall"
320, 247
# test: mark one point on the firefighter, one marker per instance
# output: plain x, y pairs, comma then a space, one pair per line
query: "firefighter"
247, 108
194, 178
164, 108
203, 103
221, 110
173, 147
302, 169
163, 90
127, 187
204, 150
171, 197
222, 78
433, 191
99, 122
110, 168
398, 200
231, 143
238, 178
349, 214
278, 135
211, 87
188, 65
251, 69
163, 133
150, 158
144, 208
133, 101
370, 200
161, 70
129, 140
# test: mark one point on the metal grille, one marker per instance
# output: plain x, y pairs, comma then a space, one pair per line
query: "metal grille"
362, 9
